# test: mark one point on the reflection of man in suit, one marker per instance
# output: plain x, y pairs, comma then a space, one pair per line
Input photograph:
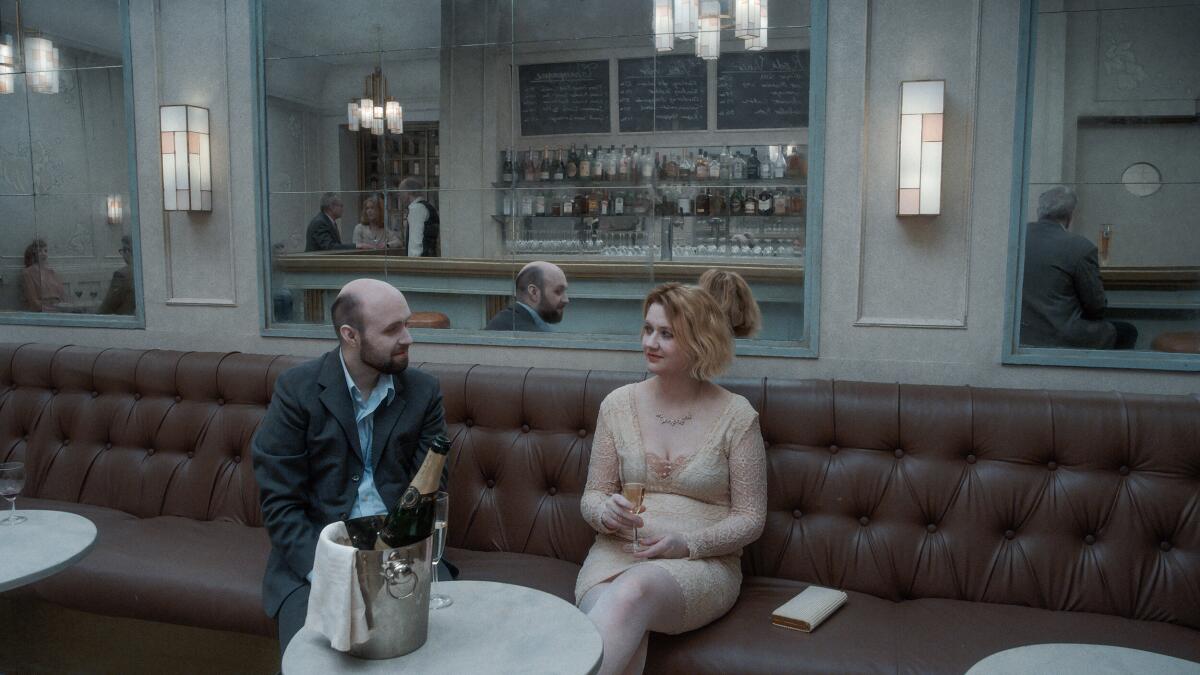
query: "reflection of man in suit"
1063, 298
119, 299
541, 300
342, 438
323, 234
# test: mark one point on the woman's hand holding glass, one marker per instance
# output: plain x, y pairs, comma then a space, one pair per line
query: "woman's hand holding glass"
618, 514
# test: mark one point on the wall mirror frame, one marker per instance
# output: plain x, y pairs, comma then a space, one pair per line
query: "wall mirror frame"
129, 210
806, 295
1156, 298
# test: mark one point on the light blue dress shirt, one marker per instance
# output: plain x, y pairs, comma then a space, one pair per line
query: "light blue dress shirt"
368, 503
537, 318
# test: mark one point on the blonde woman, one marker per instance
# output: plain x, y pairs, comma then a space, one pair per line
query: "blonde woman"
371, 232
697, 450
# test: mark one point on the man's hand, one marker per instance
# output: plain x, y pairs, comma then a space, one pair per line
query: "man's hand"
669, 545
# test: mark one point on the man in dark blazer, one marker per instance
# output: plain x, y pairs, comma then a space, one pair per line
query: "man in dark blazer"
323, 234
1063, 300
541, 300
342, 438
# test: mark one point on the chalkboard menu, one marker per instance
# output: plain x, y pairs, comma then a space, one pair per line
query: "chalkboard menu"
564, 98
762, 90
667, 93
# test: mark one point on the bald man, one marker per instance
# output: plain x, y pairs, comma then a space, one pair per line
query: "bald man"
541, 300
342, 438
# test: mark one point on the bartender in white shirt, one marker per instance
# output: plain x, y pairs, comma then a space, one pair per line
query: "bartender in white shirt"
423, 222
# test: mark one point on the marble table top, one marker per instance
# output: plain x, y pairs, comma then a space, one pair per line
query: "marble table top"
1069, 659
491, 627
46, 543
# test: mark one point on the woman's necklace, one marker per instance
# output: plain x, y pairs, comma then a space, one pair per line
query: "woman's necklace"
674, 421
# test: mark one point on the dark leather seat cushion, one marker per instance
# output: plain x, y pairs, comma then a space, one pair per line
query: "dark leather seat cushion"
872, 635
554, 576
177, 570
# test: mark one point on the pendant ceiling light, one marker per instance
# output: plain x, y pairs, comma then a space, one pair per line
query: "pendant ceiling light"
42, 65
664, 21
687, 19
700, 20
375, 111
708, 41
8, 66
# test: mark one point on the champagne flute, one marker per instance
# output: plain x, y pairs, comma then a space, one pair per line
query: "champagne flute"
12, 479
633, 488
441, 514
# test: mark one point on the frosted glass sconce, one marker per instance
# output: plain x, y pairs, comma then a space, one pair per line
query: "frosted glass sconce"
7, 65
116, 212
187, 166
921, 112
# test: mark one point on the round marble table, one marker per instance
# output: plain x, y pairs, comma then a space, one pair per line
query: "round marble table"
491, 627
1067, 659
46, 543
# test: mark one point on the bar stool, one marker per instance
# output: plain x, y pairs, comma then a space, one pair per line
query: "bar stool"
1181, 342
429, 320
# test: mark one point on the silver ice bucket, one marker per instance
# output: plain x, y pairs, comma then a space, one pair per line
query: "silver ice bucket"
395, 587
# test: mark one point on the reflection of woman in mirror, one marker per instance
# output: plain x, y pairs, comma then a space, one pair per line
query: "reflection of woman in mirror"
119, 299
736, 300
371, 232
41, 288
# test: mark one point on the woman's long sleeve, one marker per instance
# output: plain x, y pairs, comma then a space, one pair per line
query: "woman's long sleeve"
603, 473
747, 499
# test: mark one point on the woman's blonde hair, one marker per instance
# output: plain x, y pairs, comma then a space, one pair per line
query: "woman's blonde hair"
699, 326
733, 295
378, 199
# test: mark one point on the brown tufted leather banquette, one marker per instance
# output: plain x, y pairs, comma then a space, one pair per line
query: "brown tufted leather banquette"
961, 521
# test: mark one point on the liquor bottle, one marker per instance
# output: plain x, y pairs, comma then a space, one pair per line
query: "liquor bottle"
701, 170
766, 203
572, 164
796, 166
648, 163
779, 168
735, 202
530, 168
726, 163
593, 202
585, 164
539, 205
687, 168
556, 205
780, 203
610, 163
411, 519
527, 205
753, 166
623, 165
716, 203
750, 204
580, 206
702, 202
544, 169
739, 167
604, 204
560, 167
618, 204
671, 168
714, 168
506, 173
568, 205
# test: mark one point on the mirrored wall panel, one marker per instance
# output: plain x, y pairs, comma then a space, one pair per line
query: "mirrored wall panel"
530, 170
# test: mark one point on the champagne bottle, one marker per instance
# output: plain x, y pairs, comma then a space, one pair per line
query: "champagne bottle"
411, 520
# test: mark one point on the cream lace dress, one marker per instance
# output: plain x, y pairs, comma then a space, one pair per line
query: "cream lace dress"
715, 497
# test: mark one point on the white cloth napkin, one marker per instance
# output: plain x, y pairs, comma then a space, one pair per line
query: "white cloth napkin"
336, 608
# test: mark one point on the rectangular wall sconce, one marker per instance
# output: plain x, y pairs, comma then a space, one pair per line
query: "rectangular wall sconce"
921, 112
115, 211
187, 166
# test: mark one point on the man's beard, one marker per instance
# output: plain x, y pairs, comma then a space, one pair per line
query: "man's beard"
550, 314
382, 359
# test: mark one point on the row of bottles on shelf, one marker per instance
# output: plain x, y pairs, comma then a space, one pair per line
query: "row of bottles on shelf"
671, 202
639, 165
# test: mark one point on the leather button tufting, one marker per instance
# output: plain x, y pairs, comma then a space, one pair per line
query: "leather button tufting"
220, 401
66, 441
178, 398
971, 458
796, 513
1052, 465
491, 483
354, 478
1090, 539
553, 491
931, 528
137, 396
54, 392
149, 451
95, 394
864, 520
1165, 546
108, 446
583, 433
899, 453
469, 422
525, 428
833, 449
1124, 470
191, 454
1009, 534
237, 459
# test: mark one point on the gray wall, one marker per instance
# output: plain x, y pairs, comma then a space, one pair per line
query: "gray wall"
900, 300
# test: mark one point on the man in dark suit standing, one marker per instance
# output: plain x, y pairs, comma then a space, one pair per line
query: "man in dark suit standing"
342, 438
323, 234
1063, 298
541, 300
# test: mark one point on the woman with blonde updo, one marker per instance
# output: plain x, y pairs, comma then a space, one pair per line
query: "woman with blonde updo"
733, 294
695, 453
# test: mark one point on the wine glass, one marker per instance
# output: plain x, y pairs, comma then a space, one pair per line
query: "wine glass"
12, 479
633, 488
441, 514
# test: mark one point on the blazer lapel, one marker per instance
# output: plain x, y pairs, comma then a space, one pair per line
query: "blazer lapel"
336, 398
386, 417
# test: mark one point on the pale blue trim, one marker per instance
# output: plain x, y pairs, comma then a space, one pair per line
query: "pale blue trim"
138, 320
1011, 351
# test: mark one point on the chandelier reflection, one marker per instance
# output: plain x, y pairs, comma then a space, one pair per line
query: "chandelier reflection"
7, 66
41, 65
700, 21
375, 111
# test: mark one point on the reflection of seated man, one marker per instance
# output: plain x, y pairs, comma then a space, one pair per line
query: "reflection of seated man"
541, 299
1064, 301
119, 299
323, 234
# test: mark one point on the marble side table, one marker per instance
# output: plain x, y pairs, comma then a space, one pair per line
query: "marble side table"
491, 627
46, 543
1081, 659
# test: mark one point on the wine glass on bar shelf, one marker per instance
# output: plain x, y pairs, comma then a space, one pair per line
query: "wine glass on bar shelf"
12, 479
441, 515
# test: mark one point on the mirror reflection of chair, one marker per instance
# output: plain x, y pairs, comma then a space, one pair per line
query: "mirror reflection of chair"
1177, 342
429, 320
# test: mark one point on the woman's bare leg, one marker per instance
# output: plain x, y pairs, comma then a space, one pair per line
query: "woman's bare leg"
640, 599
